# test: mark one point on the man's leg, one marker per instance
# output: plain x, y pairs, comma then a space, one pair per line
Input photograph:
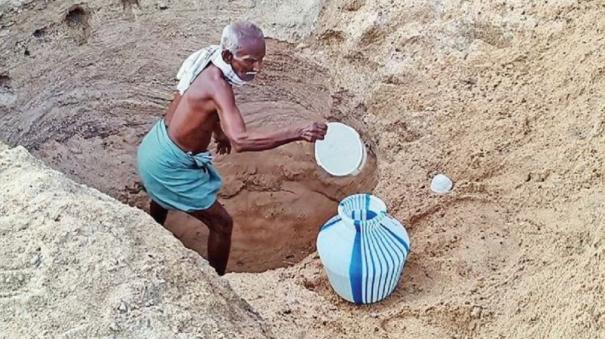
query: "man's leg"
157, 212
220, 224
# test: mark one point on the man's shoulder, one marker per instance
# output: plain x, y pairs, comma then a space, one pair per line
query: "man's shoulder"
211, 82
215, 76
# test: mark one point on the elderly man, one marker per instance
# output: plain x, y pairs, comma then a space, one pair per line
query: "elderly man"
173, 159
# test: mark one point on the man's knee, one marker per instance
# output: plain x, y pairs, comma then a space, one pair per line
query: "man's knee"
221, 223
224, 224
216, 218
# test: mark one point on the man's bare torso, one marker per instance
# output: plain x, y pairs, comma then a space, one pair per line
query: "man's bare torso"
192, 117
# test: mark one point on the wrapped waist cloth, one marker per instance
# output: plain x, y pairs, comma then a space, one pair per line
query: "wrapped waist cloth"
173, 178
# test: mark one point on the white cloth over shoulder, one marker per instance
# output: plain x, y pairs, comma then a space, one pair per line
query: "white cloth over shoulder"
198, 61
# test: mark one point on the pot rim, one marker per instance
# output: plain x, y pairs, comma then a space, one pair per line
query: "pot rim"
362, 202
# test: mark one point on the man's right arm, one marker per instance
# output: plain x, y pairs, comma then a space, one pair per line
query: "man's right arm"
243, 140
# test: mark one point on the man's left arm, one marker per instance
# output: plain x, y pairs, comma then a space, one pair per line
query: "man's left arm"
223, 145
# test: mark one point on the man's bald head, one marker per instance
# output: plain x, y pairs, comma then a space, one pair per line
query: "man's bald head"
239, 34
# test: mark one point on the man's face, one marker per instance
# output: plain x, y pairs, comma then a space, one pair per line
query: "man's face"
248, 60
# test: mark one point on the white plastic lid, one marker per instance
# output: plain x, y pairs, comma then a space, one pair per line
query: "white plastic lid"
342, 152
441, 184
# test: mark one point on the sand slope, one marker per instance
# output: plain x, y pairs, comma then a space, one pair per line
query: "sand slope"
75, 263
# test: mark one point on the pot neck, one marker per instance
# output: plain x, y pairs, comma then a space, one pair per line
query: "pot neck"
362, 211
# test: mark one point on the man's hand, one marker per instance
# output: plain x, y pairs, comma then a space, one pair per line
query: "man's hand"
223, 145
314, 131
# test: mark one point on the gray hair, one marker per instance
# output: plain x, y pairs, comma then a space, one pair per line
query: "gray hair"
234, 34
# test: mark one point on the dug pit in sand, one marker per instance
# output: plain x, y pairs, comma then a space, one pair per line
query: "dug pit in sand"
177, 170
90, 125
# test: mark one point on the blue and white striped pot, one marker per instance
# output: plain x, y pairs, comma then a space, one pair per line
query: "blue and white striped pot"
363, 249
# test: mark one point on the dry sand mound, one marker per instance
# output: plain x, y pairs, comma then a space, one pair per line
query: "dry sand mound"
79, 264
